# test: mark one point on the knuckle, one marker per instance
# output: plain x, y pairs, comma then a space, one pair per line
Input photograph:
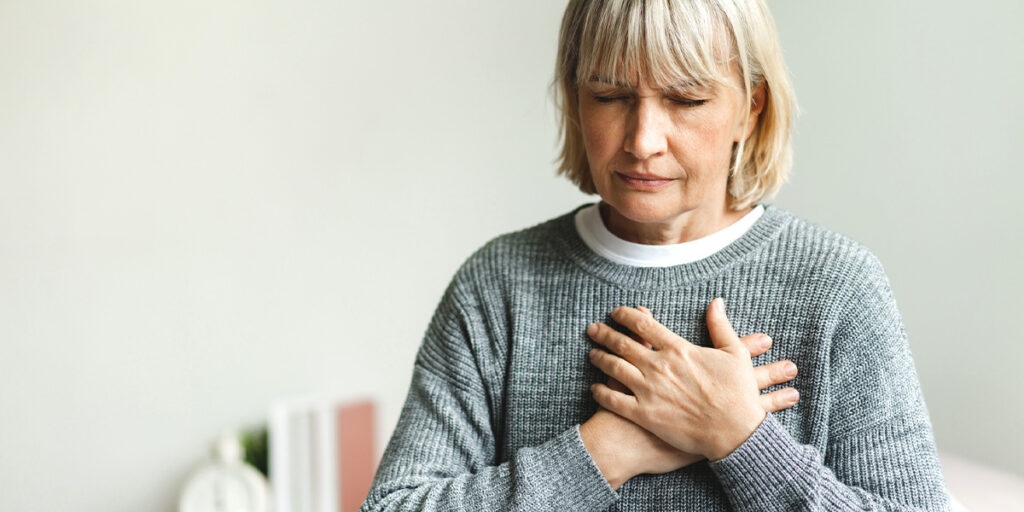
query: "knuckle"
614, 345
780, 401
645, 416
620, 345
776, 372
660, 365
679, 352
645, 325
612, 401
618, 366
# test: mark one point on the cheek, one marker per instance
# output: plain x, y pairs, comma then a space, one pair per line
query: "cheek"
705, 143
601, 136
714, 139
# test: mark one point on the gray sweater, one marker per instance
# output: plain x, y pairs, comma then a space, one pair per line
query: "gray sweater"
501, 380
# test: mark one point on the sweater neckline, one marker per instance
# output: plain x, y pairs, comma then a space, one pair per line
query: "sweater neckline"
568, 240
595, 234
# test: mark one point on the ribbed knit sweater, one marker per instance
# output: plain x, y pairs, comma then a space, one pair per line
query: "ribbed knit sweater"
501, 381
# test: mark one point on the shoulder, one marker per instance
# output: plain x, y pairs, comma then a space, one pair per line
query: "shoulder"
519, 251
522, 254
821, 253
844, 279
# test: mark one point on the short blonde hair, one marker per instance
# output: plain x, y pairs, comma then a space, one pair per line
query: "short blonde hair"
668, 41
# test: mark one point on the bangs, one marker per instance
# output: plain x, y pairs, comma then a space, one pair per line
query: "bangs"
659, 41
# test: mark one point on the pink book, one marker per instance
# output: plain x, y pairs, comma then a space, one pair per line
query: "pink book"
357, 461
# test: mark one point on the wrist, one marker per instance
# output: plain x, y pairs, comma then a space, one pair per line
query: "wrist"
614, 465
731, 439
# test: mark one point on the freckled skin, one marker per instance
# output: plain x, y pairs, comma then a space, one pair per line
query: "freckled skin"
642, 129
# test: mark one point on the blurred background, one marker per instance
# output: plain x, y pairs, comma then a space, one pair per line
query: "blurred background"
206, 206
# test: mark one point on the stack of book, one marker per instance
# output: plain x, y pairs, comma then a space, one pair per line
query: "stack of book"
322, 456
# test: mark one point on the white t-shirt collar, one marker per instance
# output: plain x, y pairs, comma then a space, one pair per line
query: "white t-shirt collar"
595, 234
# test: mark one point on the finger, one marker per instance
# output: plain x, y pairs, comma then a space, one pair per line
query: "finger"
644, 325
775, 373
620, 344
617, 367
635, 337
757, 343
638, 338
779, 400
722, 333
620, 403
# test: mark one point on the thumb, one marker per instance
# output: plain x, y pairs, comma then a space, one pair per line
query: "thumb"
722, 333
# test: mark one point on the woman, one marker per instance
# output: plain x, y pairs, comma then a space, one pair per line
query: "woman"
677, 114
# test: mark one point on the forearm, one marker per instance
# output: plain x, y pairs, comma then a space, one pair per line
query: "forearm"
771, 471
556, 475
442, 457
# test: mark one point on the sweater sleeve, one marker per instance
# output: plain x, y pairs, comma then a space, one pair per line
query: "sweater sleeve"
442, 454
881, 452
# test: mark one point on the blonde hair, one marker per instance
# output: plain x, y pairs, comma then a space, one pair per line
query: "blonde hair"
668, 41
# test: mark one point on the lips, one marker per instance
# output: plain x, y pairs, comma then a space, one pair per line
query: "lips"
645, 177
644, 181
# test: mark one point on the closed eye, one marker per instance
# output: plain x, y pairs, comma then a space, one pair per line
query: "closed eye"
688, 103
678, 101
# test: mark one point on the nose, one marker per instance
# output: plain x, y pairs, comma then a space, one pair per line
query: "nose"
645, 133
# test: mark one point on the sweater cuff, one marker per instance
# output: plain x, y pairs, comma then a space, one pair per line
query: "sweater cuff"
568, 463
766, 464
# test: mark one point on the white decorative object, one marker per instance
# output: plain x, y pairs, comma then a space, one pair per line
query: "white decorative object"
226, 484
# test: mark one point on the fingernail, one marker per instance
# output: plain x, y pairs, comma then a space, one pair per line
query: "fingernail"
719, 303
766, 341
792, 396
592, 329
790, 370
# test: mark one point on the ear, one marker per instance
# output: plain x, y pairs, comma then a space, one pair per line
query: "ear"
757, 101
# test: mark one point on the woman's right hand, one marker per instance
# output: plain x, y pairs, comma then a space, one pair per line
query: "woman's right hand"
622, 449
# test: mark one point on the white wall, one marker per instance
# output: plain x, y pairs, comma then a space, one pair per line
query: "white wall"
910, 143
205, 206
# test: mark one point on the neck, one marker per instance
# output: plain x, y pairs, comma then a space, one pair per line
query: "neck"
685, 227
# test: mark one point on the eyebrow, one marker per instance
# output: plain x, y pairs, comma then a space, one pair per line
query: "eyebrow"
609, 81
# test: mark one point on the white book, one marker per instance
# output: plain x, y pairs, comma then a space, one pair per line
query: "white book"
325, 457
280, 476
299, 458
305, 461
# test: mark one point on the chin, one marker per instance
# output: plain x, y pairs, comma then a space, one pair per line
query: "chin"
648, 209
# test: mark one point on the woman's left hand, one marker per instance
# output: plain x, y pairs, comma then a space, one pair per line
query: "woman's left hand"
700, 400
